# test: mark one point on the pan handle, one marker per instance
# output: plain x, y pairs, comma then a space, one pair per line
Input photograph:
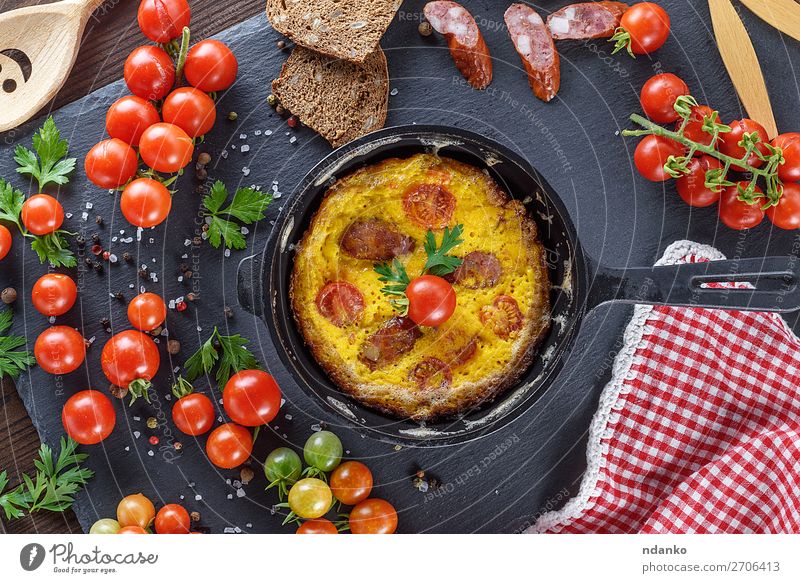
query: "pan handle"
250, 284
773, 285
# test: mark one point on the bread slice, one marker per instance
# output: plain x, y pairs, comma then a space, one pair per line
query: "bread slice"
348, 29
339, 99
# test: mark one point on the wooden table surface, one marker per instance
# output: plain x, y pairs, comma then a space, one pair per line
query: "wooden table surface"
111, 34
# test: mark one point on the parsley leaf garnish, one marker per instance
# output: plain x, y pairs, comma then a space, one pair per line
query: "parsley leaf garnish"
247, 206
394, 274
49, 163
235, 357
12, 361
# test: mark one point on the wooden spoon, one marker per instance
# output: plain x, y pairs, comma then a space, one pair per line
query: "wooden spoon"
782, 14
38, 46
742, 63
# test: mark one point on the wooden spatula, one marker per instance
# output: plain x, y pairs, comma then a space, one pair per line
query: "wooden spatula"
38, 46
742, 63
782, 14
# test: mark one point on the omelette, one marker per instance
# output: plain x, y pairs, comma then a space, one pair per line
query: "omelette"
382, 213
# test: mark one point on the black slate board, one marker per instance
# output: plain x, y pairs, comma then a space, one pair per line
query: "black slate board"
499, 483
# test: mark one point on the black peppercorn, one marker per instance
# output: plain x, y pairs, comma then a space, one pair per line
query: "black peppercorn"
127, 257
98, 220
228, 312
95, 238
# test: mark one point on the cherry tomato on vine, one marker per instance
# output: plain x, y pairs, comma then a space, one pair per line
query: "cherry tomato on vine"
191, 110
251, 398
128, 117
789, 144
129, 356
163, 20
310, 498
648, 25
738, 214
88, 417
786, 214
692, 187
229, 445
165, 147
149, 72
147, 311
172, 519
282, 468
193, 414
145, 202
659, 94
54, 294
135, 510
5, 242
42, 214
59, 350
373, 516
652, 153
210, 66
323, 451
351, 482
105, 526
317, 526
110, 163
729, 142
431, 300
131, 530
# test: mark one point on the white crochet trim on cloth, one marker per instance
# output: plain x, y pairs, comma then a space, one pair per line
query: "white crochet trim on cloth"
609, 409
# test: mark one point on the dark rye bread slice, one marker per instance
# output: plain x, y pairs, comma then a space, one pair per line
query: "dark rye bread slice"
348, 29
339, 99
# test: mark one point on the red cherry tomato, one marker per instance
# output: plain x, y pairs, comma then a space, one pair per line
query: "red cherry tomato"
166, 147
431, 300
373, 516
42, 214
191, 110
431, 206
694, 128
131, 530
135, 510
128, 356
786, 214
88, 417
648, 26
729, 142
173, 519
147, 311
652, 153
789, 144
110, 163
163, 20
737, 214
229, 445
128, 117
145, 202
149, 72
193, 414
251, 398
317, 526
341, 303
5, 242
692, 187
659, 94
210, 66
54, 294
351, 482
59, 350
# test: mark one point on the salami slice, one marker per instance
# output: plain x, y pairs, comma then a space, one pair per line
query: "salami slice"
535, 46
391, 341
375, 240
477, 270
464, 38
586, 20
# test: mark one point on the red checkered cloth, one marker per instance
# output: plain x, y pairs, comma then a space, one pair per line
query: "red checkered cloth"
698, 430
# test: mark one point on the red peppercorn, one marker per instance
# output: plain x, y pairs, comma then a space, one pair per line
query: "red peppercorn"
153, 440
180, 306
292, 121
97, 249
106, 255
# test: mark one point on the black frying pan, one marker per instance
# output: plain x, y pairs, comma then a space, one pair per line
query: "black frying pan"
579, 283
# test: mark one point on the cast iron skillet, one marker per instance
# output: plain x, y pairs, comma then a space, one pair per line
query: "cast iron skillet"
579, 282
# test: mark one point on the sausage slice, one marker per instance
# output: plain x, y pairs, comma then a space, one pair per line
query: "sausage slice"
535, 46
586, 20
478, 270
391, 341
467, 47
376, 240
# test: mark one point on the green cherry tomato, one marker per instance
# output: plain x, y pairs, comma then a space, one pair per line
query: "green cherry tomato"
105, 526
323, 451
310, 498
282, 469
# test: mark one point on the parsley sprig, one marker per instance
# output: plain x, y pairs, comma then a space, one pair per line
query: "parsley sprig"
12, 361
396, 278
228, 353
247, 207
54, 486
48, 164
